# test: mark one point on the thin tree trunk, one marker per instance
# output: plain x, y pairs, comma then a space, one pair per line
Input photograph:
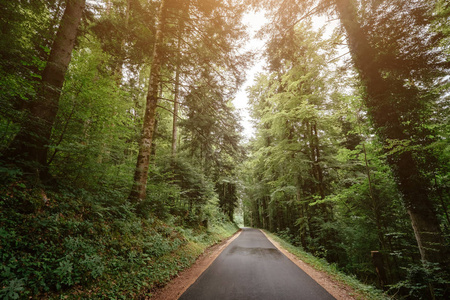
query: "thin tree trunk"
410, 182
374, 200
32, 141
265, 212
303, 217
175, 103
181, 22
317, 161
138, 190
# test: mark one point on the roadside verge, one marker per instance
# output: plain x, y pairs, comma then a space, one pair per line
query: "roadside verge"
176, 287
339, 285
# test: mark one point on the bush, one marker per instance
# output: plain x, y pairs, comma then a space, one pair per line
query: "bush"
92, 244
424, 281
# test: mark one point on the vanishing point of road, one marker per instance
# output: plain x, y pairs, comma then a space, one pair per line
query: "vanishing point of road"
252, 268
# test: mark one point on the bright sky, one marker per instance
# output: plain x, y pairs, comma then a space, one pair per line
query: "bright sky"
255, 20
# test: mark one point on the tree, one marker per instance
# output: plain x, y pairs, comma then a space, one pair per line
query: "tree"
392, 108
138, 191
32, 140
211, 48
181, 24
399, 62
295, 137
227, 197
92, 132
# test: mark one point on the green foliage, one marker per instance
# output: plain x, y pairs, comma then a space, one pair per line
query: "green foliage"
424, 281
22, 58
77, 235
368, 292
91, 244
14, 289
178, 191
93, 133
228, 196
315, 175
294, 149
212, 130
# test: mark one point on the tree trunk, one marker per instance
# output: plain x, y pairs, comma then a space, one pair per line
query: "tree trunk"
377, 260
32, 141
302, 215
138, 190
177, 93
386, 119
317, 160
183, 15
175, 112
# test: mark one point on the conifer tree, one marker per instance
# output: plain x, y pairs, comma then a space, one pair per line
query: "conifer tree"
31, 143
139, 188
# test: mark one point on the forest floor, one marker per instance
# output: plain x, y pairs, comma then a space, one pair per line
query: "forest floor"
175, 288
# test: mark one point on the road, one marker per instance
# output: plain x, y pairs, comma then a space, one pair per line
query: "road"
252, 268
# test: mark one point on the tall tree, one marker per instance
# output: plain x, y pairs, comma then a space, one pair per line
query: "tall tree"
398, 59
215, 33
295, 134
184, 13
32, 141
392, 107
138, 190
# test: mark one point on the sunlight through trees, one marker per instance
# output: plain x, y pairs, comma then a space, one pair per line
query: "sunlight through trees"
121, 151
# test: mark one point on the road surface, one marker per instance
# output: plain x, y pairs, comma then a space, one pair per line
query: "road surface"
252, 268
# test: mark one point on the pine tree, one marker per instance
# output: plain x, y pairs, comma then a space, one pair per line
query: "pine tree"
139, 189
31, 143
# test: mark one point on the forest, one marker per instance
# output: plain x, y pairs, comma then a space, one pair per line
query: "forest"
122, 154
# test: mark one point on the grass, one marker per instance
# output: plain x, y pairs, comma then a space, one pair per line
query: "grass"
362, 291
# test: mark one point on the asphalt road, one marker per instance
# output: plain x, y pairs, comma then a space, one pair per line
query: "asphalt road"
252, 268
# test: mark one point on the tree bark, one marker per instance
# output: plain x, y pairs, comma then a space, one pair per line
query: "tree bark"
183, 15
138, 190
317, 160
176, 96
32, 141
303, 224
377, 260
386, 118
175, 113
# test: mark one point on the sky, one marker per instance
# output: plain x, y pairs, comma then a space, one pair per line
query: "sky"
255, 21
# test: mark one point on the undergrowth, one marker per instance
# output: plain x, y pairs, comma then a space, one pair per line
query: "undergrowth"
76, 244
362, 291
